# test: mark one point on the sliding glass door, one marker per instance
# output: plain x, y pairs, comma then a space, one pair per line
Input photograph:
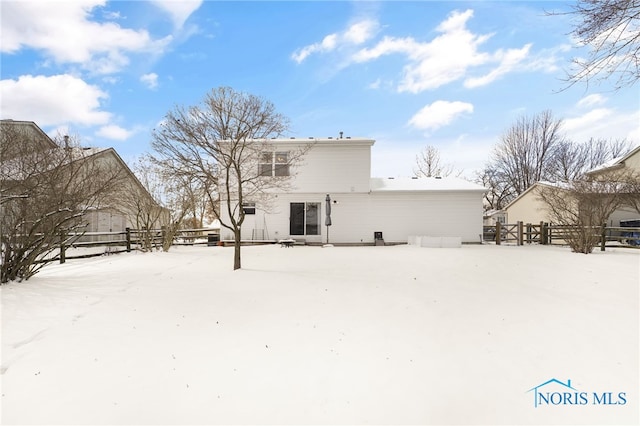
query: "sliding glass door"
304, 219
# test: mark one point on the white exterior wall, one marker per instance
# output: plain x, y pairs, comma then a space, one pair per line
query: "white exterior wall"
356, 216
335, 165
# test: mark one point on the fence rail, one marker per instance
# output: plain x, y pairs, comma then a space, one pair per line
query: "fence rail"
545, 233
125, 241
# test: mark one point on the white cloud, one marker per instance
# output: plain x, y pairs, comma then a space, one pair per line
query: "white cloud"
354, 35
327, 44
604, 123
65, 32
446, 58
115, 132
360, 32
179, 10
432, 64
509, 60
52, 100
591, 100
587, 120
439, 114
150, 80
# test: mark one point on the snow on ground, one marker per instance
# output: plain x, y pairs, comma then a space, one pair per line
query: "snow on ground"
349, 335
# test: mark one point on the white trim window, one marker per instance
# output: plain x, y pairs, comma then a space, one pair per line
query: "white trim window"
274, 164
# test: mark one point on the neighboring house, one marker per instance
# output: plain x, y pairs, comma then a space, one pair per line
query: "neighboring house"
493, 216
113, 214
361, 206
627, 163
528, 207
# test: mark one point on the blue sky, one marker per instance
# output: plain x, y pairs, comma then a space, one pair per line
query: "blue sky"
452, 74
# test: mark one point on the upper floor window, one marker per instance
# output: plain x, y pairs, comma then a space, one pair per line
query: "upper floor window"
274, 164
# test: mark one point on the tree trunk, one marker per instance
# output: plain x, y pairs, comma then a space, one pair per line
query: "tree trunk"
236, 250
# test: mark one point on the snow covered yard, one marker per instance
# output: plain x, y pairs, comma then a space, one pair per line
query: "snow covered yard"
349, 335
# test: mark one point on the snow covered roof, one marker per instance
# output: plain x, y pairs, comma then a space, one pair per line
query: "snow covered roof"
615, 162
424, 184
607, 165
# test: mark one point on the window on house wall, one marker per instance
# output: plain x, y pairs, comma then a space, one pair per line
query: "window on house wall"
274, 164
249, 208
281, 164
265, 165
304, 219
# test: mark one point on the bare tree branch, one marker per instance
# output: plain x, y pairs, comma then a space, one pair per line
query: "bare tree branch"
45, 189
219, 144
611, 30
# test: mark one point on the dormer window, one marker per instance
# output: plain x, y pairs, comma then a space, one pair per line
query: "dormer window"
274, 164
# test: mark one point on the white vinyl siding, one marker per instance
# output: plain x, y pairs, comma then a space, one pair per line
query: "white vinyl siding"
334, 168
355, 217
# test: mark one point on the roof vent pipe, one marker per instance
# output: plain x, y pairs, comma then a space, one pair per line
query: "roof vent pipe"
341, 135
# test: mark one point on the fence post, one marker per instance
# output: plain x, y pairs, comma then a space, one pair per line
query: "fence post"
63, 257
520, 233
543, 233
603, 236
498, 232
128, 239
529, 233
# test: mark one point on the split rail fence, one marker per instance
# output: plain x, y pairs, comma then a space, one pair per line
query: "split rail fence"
548, 234
126, 241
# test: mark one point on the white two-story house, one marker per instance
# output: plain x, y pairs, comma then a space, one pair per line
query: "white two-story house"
362, 207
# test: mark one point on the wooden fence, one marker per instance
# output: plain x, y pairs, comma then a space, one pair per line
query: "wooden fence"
545, 233
126, 241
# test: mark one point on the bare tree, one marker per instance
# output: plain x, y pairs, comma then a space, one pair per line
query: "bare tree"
523, 154
429, 163
571, 160
141, 203
631, 190
611, 30
45, 189
499, 192
220, 145
583, 206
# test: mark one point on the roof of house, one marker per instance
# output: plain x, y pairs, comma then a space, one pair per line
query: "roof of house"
493, 212
347, 140
615, 162
424, 184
